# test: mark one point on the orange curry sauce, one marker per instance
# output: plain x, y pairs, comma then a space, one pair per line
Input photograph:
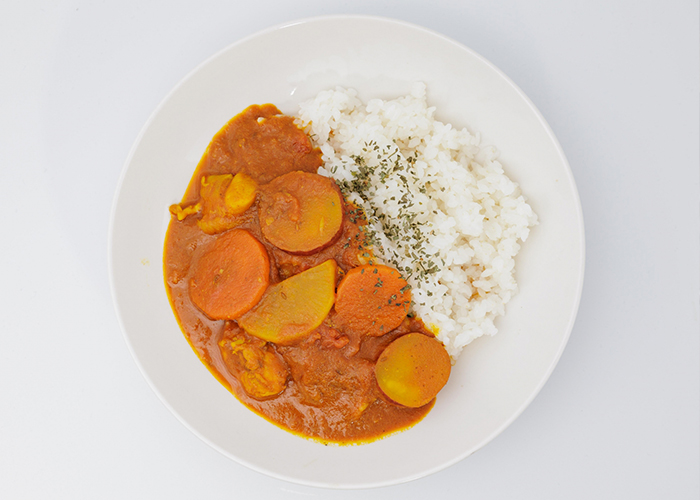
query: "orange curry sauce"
329, 390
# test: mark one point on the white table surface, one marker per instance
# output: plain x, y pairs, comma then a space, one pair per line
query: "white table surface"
617, 80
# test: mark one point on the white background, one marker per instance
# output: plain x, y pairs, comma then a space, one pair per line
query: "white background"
617, 80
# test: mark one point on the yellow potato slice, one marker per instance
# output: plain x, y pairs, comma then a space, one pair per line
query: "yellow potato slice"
413, 369
293, 308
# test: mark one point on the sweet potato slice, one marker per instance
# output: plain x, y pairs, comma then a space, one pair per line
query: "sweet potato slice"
293, 308
372, 299
231, 277
301, 213
413, 369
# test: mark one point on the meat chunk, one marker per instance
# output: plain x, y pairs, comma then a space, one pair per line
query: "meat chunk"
255, 363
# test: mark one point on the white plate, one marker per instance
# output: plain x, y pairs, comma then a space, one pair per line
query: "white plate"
495, 378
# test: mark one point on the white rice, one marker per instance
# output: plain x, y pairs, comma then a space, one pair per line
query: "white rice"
426, 175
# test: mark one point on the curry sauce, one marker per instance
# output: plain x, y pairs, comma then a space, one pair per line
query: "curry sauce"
319, 383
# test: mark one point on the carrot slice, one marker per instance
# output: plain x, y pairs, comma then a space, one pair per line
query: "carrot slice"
301, 213
231, 277
413, 369
372, 299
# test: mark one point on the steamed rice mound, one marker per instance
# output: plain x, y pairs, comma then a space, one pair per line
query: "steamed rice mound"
439, 206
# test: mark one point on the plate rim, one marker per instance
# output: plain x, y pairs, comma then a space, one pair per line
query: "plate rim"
405, 24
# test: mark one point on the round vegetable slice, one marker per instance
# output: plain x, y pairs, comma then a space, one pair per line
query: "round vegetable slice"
373, 299
301, 213
295, 307
413, 369
231, 277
